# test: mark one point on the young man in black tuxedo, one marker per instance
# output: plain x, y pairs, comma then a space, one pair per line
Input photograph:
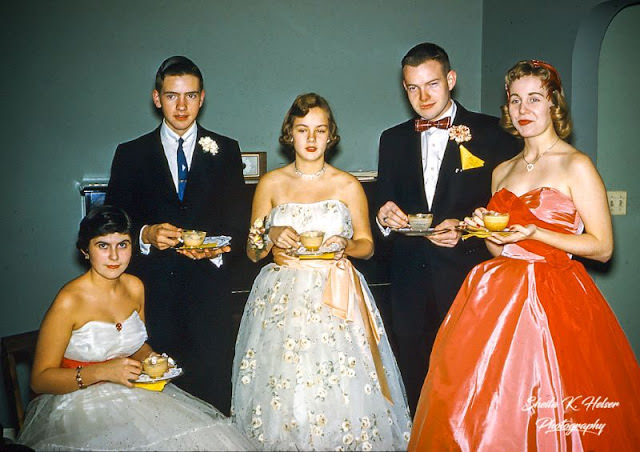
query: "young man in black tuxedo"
182, 176
440, 162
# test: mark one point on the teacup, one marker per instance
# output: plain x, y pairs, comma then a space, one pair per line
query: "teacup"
495, 221
312, 240
420, 221
192, 237
155, 366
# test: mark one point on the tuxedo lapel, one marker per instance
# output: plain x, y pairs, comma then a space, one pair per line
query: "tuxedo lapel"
414, 167
451, 163
160, 168
198, 169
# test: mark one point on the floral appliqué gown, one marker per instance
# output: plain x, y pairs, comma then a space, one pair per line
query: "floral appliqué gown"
109, 416
530, 355
304, 374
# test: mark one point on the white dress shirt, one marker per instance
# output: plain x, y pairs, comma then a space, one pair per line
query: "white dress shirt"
433, 144
170, 145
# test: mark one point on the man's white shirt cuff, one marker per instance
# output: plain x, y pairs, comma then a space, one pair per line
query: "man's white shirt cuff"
145, 248
384, 229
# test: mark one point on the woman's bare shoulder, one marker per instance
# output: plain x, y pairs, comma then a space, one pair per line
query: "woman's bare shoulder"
580, 167
347, 188
504, 167
575, 157
273, 181
274, 176
71, 297
133, 290
343, 179
501, 172
132, 283
270, 189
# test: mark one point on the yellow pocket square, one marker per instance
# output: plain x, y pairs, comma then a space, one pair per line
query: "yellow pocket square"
155, 386
469, 161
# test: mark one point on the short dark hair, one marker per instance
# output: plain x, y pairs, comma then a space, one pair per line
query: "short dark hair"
299, 109
425, 52
177, 65
102, 220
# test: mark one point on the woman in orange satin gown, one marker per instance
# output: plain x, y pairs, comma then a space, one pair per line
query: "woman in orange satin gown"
530, 355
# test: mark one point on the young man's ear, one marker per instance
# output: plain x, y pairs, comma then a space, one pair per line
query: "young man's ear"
155, 95
451, 79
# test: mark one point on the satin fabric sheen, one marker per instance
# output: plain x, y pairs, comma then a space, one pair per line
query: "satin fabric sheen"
530, 356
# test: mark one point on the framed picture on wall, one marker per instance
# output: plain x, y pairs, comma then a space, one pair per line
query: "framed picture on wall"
254, 165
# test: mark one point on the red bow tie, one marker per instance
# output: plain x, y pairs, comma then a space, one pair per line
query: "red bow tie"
422, 124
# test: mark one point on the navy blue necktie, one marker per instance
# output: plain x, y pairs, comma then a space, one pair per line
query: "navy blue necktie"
183, 170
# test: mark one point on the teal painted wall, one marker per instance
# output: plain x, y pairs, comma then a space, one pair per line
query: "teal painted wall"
618, 163
521, 29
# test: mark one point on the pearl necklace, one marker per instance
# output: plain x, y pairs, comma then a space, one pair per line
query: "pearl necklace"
530, 165
306, 176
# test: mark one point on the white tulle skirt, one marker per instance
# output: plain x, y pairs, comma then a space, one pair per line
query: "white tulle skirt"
305, 379
110, 416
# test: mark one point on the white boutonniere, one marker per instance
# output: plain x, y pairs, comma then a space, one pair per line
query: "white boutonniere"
208, 145
460, 134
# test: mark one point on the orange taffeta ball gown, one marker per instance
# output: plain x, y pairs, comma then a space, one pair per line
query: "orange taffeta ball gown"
530, 356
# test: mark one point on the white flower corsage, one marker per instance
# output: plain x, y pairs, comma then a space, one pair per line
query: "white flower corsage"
460, 134
258, 235
208, 145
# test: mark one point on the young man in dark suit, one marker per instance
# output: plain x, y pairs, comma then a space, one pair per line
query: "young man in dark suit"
441, 162
182, 176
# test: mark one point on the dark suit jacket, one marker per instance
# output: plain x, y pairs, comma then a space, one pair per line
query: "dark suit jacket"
425, 278
188, 302
141, 184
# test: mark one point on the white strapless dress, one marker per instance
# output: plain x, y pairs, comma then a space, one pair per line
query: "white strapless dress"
304, 378
109, 416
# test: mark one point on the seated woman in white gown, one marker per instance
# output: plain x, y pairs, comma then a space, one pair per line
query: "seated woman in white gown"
89, 353
313, 368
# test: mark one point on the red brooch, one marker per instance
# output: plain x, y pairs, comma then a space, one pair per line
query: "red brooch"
118, 326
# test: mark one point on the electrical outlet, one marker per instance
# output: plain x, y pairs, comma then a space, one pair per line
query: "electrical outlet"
617, 202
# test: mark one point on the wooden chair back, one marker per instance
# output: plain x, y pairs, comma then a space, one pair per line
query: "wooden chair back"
15, 349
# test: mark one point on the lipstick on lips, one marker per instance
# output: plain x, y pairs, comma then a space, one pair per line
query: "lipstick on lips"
113, 267
524, 122
311, 149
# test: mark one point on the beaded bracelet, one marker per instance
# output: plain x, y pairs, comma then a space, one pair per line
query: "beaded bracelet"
79, 378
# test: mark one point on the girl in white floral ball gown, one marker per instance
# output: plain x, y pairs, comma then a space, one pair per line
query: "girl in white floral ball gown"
313, 368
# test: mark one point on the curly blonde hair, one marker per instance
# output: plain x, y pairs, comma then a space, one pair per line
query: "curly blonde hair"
551, 82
